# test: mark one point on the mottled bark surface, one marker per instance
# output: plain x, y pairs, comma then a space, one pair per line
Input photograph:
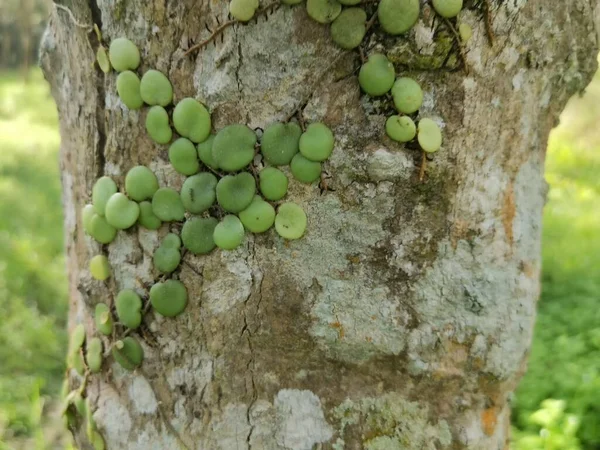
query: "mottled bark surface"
404, 317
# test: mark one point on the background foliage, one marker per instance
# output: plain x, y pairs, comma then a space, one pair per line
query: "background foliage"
565, 358
33, 303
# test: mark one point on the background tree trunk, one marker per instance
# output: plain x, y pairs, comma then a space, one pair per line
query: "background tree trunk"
403, 318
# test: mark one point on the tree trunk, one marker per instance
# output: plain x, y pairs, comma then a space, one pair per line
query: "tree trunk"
403, 318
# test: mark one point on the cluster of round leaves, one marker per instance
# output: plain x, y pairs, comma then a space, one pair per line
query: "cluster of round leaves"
349, 21
377, 77
217, 183
83, 353
127, 351
225, 155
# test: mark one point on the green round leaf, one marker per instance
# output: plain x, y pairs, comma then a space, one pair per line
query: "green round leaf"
205, 152
198, 192
229, 233
128, 88
243, 10
169, 298
167, 205
316, 143
129, 308
465, 31
123, 55
233, 147
156, 89
100, 267
235, 192
273, 183
77, 337
291, 221
147, 218
280, 142
102, 59
101, 230
171, 240
429, 135
259, 216
398, 16
87, 214
103, 189
349, 28
323, 11
377, 75
183, 157
448, 8
96, 440
407, 94
305, 170
166, 258
400, 128
157, 125
192, 120
128, 353
140, 183
94, 355
197, 235
121, 212
103, 319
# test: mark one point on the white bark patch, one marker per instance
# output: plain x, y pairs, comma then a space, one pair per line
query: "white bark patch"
231, 430
424, 38
151, 439
135, 267
113, 419
226, 285
386, 165
262, 419
355, 322
518, 79
300, 420
142, 396
195, 374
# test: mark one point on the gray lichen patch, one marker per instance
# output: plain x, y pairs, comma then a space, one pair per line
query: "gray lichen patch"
300, 420
385, 165
227, 281
390, 422
142, 396
231, 428
355, 323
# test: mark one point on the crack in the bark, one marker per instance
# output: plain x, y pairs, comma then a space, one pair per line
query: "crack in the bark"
240, 86
99, 152
250, 364
161, 412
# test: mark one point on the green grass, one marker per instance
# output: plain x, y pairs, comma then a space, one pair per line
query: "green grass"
33, 300
565, 358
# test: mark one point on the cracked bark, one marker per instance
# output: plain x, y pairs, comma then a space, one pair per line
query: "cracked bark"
403, 318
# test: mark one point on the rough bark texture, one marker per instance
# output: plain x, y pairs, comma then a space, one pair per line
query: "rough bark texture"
404, 317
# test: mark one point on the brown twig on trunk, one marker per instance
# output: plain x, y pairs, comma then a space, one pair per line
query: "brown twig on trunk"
226, 25
461, 49
489, 28
423, 166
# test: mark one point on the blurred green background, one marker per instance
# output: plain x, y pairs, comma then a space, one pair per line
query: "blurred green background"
557, 406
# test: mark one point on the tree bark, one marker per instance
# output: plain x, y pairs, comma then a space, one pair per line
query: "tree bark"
403, 318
